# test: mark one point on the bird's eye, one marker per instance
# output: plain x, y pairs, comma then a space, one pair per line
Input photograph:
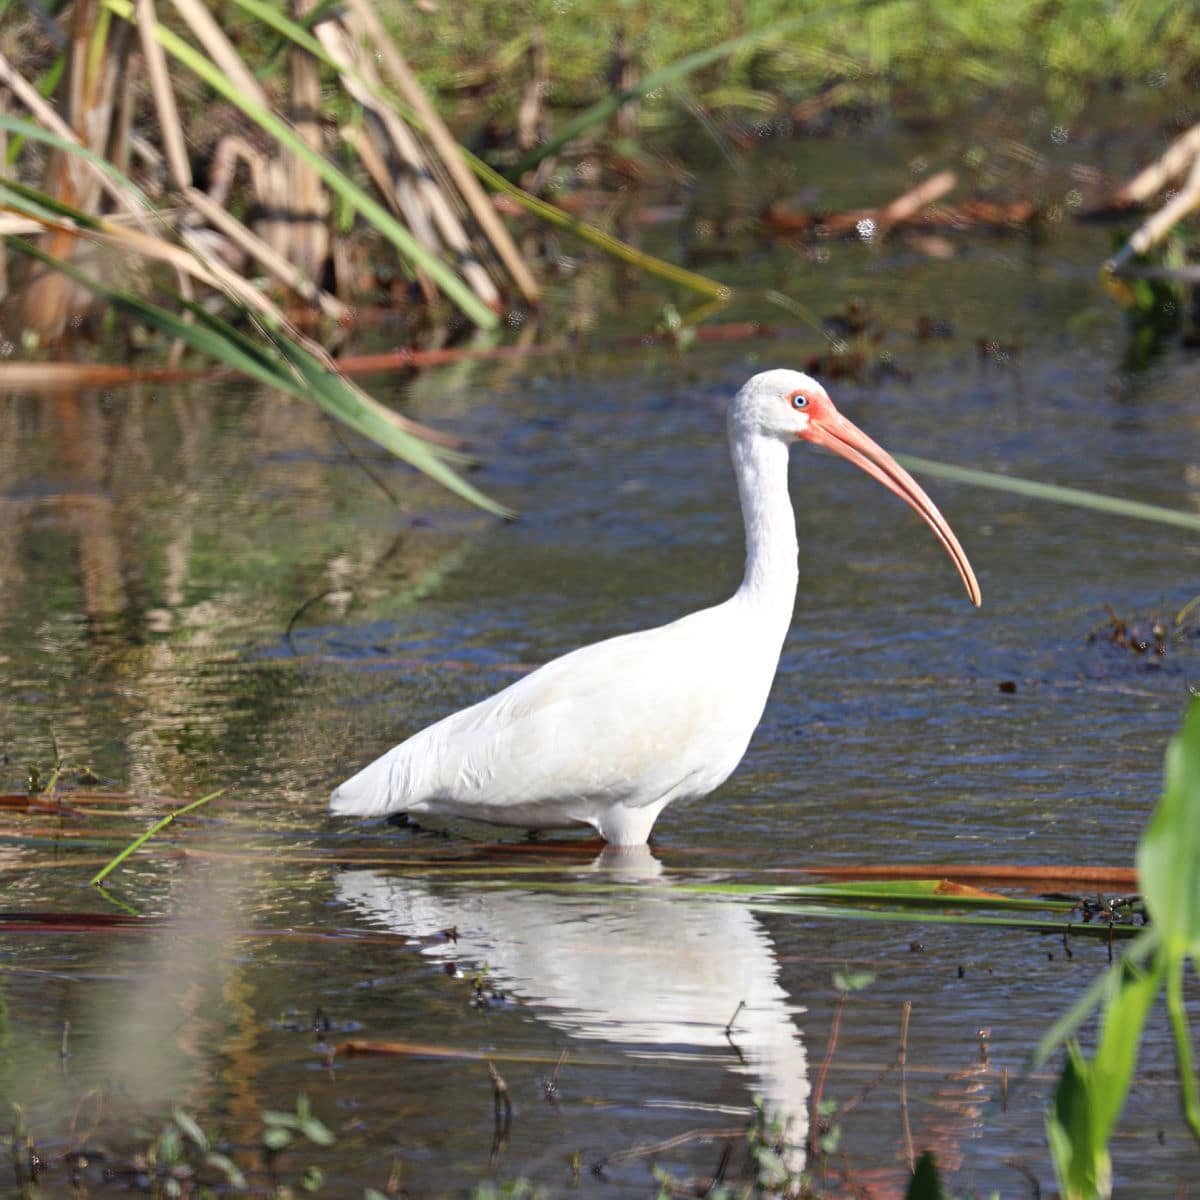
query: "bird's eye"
799, 400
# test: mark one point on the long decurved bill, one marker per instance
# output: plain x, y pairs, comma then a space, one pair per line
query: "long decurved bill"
843, 437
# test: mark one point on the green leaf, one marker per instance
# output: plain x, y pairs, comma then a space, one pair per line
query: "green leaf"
280, 1120
1129, 994
276, 1138
1168, 856
312, 1179
170, 1145
1142, 948
228, 1168
853, 981
190, 1129
1081, 1159
316, 1131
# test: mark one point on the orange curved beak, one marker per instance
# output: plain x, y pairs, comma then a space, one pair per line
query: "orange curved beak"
843, 437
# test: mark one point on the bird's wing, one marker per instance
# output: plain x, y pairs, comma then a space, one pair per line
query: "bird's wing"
633, 718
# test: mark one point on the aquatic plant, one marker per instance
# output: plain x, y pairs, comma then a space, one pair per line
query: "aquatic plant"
1091, 1092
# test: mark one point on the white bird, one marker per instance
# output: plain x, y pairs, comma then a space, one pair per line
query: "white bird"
608, 735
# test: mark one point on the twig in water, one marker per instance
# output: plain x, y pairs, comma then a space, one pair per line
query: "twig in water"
137, 843
287, 633
736, 1011
814, 1127
500, 1097
902, 1063
62, 1050
718, 1176
551, 1086
502, 1108
1035, 1188
682, 1139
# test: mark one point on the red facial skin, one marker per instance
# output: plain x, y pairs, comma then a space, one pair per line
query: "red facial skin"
827, 427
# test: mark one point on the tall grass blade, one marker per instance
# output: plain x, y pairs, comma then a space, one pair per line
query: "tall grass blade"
120, 184
1053, 492
553, 215
157, 827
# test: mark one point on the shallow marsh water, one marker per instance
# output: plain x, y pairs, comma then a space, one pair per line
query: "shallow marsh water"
157, 543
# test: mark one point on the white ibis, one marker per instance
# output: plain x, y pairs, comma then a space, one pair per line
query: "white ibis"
608, 735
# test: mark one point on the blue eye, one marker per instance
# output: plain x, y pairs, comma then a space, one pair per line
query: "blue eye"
799, 400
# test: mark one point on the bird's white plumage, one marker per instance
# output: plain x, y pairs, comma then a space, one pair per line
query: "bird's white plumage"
609, 734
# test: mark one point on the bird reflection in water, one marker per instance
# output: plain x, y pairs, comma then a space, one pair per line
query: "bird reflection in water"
649, 970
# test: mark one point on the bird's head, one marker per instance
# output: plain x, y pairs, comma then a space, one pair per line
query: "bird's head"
780, 404
789, 405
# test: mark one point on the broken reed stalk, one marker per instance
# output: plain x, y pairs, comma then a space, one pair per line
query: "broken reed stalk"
501, 1100
902, 1064
230, 79
414, 168
1151, 180
164, 96
814, 1120
1159, 224
157, 827
282, 267
672, 1143
307, 235
897, 1064
3, 173
449, 151
51, 300
48, 118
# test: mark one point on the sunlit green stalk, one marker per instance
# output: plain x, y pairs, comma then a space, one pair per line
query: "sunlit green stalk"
1183, 1044
157, 827
553, 215
1050, 491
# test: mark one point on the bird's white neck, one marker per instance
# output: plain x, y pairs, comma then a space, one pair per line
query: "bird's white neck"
772, 571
